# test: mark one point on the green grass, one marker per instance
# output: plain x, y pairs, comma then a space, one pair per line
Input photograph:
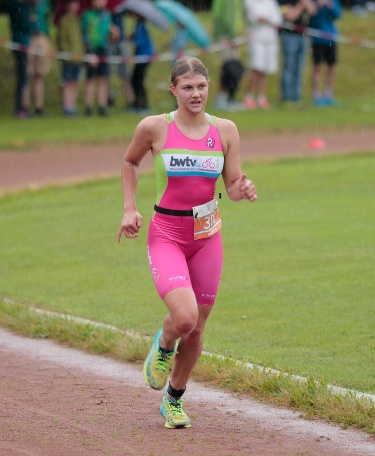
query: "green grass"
297, 288
312, 398
354, 89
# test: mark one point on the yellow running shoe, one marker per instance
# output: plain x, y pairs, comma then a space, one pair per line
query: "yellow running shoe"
157, 365
175, 417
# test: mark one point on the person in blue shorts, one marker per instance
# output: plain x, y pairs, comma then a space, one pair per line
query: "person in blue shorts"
96, 26
324, 50
69, 40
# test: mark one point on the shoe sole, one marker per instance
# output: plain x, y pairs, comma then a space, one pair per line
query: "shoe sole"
155, 342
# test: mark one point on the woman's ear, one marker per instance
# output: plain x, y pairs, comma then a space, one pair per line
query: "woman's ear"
172, 88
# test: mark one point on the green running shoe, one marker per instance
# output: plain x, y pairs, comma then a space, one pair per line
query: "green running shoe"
175, 417
157, 364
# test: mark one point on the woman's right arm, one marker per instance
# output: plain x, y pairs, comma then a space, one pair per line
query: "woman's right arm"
144, 139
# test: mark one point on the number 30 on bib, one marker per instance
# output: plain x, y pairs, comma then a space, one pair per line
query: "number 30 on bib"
207, 220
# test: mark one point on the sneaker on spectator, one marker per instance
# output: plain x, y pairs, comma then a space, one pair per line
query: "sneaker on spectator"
88, 111
39, 112
70, 112
236, 106
330, 101
222, 102
319, 101
263, 103
23, 114
103, 111
250, 103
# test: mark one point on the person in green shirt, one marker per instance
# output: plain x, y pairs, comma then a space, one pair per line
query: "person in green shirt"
69, 40
96, 26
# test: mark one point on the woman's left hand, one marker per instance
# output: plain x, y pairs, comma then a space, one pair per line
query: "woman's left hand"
247, 188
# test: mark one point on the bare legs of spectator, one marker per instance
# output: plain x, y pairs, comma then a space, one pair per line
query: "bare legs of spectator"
102, 89
140, 104
21, 84
69, 96
256, 90
35, 88
320, 97
128, 92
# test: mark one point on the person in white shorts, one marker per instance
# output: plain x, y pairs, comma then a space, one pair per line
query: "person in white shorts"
263, 20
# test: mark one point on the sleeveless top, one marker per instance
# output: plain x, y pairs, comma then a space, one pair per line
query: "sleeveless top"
187, 169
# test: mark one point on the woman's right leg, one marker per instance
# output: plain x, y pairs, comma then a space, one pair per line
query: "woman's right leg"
181, 318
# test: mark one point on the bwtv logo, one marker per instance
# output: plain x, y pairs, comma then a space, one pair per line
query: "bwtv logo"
185, 162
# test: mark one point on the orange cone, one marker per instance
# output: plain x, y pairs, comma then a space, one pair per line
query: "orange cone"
317, 144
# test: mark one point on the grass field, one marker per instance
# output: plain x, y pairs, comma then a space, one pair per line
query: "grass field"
297, 288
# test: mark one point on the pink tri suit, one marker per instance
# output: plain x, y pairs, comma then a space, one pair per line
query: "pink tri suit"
186, 174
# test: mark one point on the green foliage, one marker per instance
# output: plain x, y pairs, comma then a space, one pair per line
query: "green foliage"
354, 90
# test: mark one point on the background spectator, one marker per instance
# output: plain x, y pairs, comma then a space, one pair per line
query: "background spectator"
143, 47
324, 50
21, 25
69, 39
263, 19
96, 28
227, 25
178, 43
120, 48
294, 46
39, 61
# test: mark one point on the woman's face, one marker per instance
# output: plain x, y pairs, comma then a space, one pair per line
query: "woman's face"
191, 92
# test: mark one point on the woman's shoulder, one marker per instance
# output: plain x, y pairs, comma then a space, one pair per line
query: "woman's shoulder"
155, 121
225, 124
228, 133
153, 124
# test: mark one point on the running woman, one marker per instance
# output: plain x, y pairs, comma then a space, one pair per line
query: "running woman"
191, 149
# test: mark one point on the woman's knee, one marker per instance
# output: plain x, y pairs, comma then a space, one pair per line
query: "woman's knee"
186, 322
183, 310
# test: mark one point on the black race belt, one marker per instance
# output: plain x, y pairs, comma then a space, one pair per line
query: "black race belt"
164, 211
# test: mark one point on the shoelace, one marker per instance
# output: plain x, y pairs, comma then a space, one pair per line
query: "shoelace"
176, 409
162, 362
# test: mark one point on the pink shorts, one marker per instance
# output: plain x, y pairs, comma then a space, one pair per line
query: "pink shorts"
178, 261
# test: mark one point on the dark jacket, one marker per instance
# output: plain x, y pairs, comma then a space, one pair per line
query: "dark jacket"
324, 20
22, 20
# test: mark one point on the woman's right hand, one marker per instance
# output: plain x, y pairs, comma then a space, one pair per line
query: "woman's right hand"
131, 223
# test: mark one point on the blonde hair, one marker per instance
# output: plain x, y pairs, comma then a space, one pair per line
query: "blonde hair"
187, 67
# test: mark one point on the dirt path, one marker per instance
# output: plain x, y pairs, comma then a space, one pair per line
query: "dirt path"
60, 402
59, 164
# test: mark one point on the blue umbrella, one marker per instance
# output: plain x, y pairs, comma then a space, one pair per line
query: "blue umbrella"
146, 9
176, 12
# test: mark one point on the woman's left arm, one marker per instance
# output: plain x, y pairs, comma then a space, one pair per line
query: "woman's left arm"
237, 185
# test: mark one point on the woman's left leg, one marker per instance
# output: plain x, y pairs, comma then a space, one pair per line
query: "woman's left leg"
189, 350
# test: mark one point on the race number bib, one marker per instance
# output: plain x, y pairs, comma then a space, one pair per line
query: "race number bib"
207, 220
